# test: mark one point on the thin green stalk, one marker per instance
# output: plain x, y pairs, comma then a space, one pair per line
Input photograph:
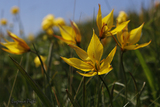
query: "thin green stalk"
107, 90
124, 74
48, 90
136, 88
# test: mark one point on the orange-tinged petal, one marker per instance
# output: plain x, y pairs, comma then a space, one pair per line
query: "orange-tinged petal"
105, 69
77, 63
90, 74
99, 19
18, 40
95, 48
135, 35
76, 29
13, 47
108, 19
80, 52
120, 27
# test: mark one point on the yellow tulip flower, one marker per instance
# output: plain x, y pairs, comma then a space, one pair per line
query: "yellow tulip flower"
14, 10
91, 59
37, 61
127, 40
105, 25
19, 46
70, 35
3, 21
122, 17
49, 21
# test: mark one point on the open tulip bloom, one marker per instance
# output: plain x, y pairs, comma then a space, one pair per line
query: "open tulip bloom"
19, 46
127, 40
105, 24
70, 35
90, 60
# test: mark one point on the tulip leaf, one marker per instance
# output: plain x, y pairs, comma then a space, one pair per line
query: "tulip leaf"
35, 87
147, 72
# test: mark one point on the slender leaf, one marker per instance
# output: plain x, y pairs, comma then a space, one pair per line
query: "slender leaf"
35, 87
147, 72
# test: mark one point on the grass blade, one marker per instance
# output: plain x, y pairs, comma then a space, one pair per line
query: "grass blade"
35, 87
147, 72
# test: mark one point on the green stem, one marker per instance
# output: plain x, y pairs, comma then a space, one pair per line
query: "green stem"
110, 97
124, 74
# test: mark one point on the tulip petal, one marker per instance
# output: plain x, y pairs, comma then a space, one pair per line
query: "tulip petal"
13, 47
77, 63
99, 19
119, 28
109, 58
80, 52
108, 19
105, 69
95, 48
64, 40
90, 74
142, 45
76, 29
67, 33
135, 35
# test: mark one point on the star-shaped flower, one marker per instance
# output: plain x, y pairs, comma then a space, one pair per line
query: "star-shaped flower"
90, 60
127, 40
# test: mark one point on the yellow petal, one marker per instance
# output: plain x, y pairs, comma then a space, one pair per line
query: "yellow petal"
99, 19
109, 58
95, 48
108, 19
67, 33
142, 45
77, 63
76, 29
105, 69
120, 27
135, 35
13, 47
64, 40
90, 74
80, 52
119, 37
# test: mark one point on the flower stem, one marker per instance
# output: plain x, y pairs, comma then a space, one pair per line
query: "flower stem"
123, 71
110, 97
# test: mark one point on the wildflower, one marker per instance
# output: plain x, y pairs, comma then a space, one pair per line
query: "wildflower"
49, 21
31, 37
91, 59
70, 35
122, 17
128, 40
19, 46
105, 25
14, 10
59, 21
3, 21
37, 61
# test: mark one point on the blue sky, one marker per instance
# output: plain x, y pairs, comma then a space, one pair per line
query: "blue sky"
32, 12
